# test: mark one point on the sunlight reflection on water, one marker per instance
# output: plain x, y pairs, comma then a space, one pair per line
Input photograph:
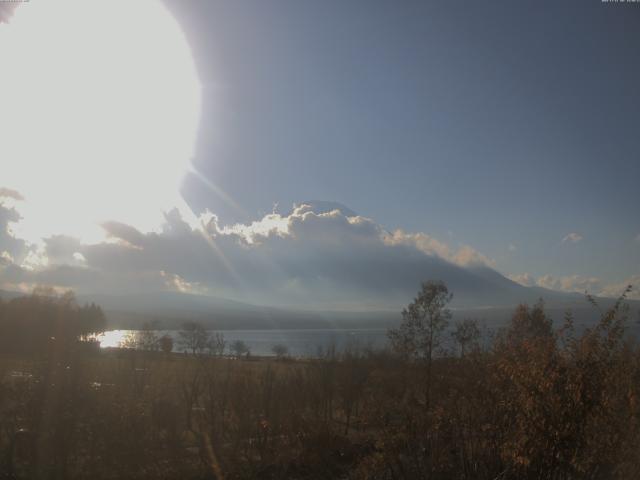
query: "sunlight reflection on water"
113, 338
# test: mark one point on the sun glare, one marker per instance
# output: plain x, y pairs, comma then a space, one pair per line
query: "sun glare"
98, 116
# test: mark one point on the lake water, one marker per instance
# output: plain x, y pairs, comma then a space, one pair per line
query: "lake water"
301, 343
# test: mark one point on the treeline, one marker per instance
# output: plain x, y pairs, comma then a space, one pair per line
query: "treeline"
537, 402
36, 323
193, 338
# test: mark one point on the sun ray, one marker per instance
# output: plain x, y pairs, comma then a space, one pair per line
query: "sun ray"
219, 192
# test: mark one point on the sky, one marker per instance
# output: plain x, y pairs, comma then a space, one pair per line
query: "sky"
501, 133
493, 124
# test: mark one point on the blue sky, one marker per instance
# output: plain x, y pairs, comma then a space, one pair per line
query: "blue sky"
485, 123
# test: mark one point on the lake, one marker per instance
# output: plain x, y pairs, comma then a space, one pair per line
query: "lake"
301, 343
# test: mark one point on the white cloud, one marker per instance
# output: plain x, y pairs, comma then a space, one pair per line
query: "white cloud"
302, 258
615, 289
572, 237
548, 281
463, 256
467, 256
422, 241
9, 193
571, 283
62, 249
524, 279
10, 246
580, 284
512, 247
177, 283
328, 257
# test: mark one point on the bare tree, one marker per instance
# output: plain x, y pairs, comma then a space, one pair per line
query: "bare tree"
147, 339
193, 337
217, 344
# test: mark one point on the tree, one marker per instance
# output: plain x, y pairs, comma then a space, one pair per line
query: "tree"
193, 337
423, 322
217, 344
466, 334
92, 321
34, 323
239, 348
529, 324
280, 351
146, 339
166, 344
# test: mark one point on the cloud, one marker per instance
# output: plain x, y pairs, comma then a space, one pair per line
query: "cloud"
62, 249
572, 237
512, 247
464, 255
6, 11
580, 284
638, 238
9, 193
421, 241
571, 283
11, 247
467, 256
524, 279
548, 281
567, 283
124, 233
84, 280
615, 289
304, 256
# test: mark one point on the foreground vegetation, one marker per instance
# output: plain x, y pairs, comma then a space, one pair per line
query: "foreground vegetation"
537, 402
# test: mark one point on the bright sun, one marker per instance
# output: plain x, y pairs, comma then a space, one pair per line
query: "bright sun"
98, 115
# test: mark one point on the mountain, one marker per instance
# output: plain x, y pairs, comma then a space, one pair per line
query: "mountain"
130, 313
172, 309
479, 292
506, 292
169, 310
